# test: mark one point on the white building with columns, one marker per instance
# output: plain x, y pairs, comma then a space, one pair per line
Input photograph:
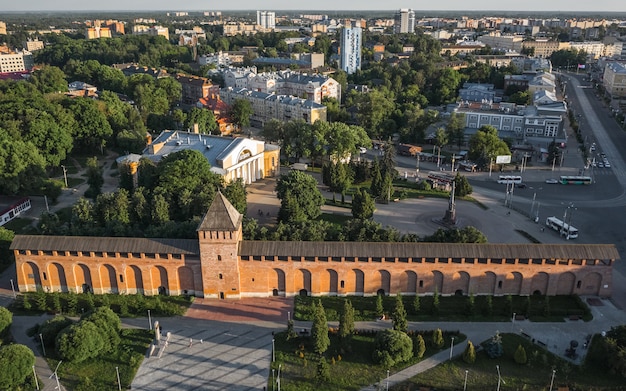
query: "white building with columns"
232, 158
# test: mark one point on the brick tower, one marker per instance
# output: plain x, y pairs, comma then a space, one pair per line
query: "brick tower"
219, 235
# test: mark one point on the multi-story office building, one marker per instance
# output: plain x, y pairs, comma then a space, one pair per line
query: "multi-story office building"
16, 62
615, 79
350, 59
266, 19
404, 21
32, 45
98, 32
154, 30
281, 107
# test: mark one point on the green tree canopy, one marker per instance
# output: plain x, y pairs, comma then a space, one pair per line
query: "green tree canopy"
16, 362
240, 112
392, 347
22, 168
6, 318
319, 329
398, 315
300, 199
363, 206
80, 342
467, 234
485, 145
204, 118
49, 79
346, 320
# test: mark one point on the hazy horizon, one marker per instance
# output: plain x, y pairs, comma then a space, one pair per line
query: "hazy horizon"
531, 6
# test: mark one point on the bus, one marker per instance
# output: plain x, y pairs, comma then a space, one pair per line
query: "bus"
506, 179
562, 228
441, 177
575, 180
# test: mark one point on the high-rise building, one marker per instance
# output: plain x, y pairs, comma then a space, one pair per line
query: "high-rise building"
266, 19
404, 21
350, 58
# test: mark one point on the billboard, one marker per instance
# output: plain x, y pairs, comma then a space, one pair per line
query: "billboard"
503, 159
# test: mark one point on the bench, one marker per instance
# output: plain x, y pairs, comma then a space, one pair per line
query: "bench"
574, 317
542, 344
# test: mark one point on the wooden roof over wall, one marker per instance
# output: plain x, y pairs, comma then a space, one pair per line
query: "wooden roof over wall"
108, 244
430, 250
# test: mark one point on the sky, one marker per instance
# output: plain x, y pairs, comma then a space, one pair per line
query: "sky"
207, 5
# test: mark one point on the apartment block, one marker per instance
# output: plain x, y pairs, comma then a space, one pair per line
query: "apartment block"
614, 79
271, 106
404, 21
151, 30
16, 62
350, 56
266, 19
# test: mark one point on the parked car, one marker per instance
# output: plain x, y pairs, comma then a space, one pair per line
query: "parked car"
600, 165
552, 181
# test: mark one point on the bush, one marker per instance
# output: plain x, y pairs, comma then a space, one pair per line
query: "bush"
79, 342
6, 318
469, 355
108, 324
323, 370
520, 355
52, 327
419, 347
437, 339
16, 362
392, 347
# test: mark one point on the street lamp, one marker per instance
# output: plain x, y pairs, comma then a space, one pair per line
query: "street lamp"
417, 164
13, 289
119, 383
499, 377
64, 175
513, 321
43, 348
552, 380
451, 347
273, 356
465, 381
36, 381
149, 320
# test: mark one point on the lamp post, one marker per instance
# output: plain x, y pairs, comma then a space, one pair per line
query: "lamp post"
273, 382
451, 347
273, 354
13, 289
499, 377
64, 175
43, 348
513, 321
438, 155
149, 320
36, 381
465, 381
552, 380
569, 224
119, 383
278, 377
417, 164
288, 315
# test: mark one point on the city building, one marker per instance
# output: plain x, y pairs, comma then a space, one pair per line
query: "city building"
404, 21
543, 47
614, 79
267, 106
195, 88
11, 62
98, 32
220, 264
3, 28
497, 40
139, 29
478, 92
33, 45
350, 56
266, 19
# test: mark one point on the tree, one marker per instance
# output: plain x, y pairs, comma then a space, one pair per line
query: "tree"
109, 325
93, 129
94, 177
415, 305
373, 109
363, 206
319, 330
380, 311
399, 315
235, 192
520, 355
520, 98
554, 153
300, 199
441, 138
494, 347
323, 370
485, 145
437, 339
49, 79
6, 255
467, 234
435, 306
469, 355
203, 118
392, 347
52, 327
6, 318
340, 179
22, 168
456, 128
346, 320
16, 362
419, 347
462, 186
80, 342
376, 187
240, 112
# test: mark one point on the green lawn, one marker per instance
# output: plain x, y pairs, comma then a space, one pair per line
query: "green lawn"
534, 375
99, 373
452, 308
353, 366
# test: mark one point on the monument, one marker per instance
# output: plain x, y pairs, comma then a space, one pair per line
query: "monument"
449, 219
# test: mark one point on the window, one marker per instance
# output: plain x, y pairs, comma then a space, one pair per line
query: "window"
219, 257
499, 284
221, 277
421, 283
342, 284
121, 278
579, 284
45, 277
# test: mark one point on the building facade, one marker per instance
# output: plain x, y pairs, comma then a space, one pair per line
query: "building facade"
350, 57
614, 79
16, 62
219, 264
266, 19
404, 21
267, 106
195, 88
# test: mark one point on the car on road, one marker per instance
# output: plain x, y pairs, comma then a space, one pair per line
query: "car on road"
520, 185
552, 181
607, 165
600, 165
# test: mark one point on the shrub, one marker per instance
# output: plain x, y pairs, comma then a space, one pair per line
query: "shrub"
415, 305
520, 355
16, 362
392, 347
469, 355
494, 348
52, 327
40, 301
379, 306
437, 339
323, 370
319, 330
79, 342
108, 324
419, 347
6, 318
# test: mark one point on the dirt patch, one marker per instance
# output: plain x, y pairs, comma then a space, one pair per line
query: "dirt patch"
271, 309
